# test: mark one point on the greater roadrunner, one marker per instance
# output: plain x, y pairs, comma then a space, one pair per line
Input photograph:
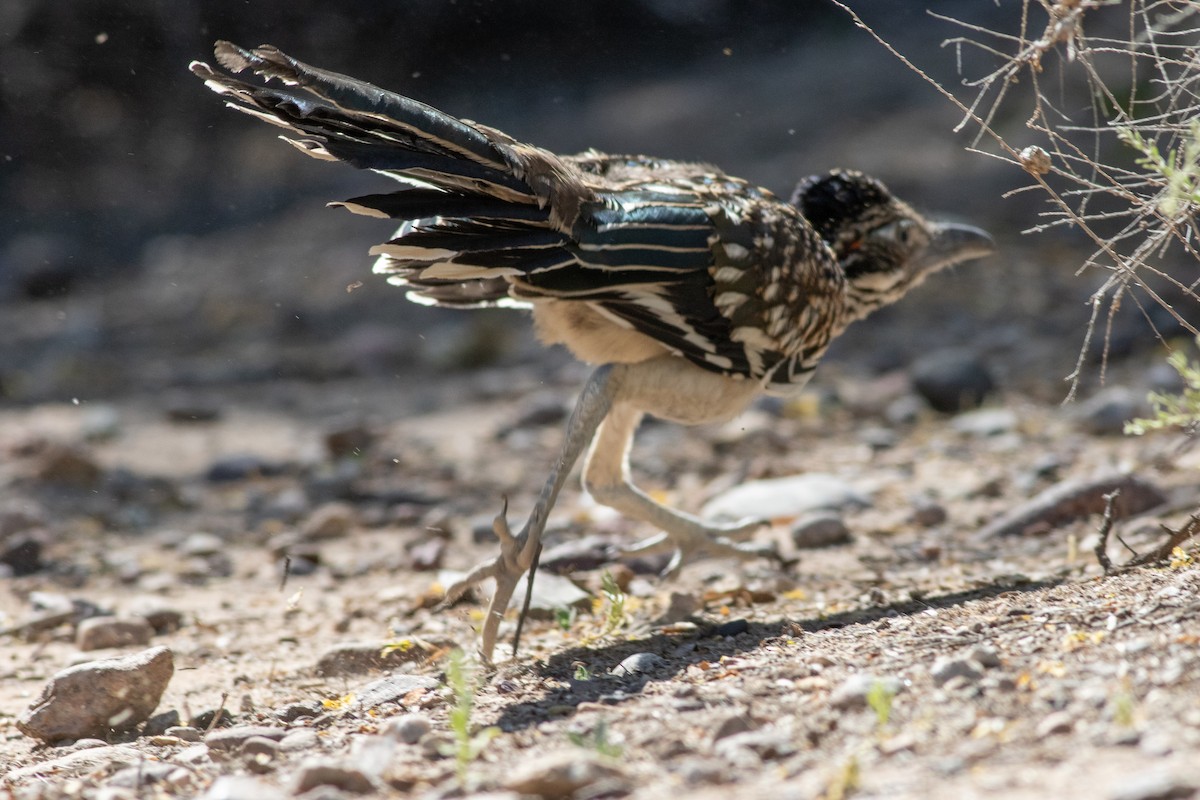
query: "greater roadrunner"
693, 290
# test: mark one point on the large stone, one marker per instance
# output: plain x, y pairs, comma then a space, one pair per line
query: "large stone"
99, 698
784, 498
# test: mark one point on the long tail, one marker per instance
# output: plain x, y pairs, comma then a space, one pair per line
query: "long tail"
477, 206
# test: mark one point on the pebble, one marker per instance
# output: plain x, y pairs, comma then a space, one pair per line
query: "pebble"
332, 773
564, 774
21, 554
733, 627
354, 658
294, 711
299, 739
202, 544
372, 755
99, 697
67, 466
143, 774
163, 618
329, 521
407, 728
944, 669
349, 441
986, 422
551, 593
928, 514
952, 379
1156, 785
985, 655
854, 690
1055, 723
392, 689
820, 529
581, 554
638, 663
229, 469
241, 787
100, 633
185, 732
427, 554
232, 738
160, 723
791, 496
681, 606
1106, 412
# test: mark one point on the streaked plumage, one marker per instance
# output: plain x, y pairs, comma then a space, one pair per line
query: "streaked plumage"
700, 288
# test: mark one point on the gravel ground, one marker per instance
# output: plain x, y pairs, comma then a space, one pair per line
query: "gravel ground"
907, 657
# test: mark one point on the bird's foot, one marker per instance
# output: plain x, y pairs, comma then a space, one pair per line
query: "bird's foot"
515, 558
692, 541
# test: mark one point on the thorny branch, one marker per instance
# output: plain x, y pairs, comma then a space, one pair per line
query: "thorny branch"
1111, 141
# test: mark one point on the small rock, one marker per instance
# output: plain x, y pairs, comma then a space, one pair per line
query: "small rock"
294, 711
185, 732
681, 606
952, 380
1153, 786
733, 627
928, 514
407, 728
563, 774
905, 409
820, 529
372, 755
639, 663
202, 544
232, 739
551, 593
986, 422
21, 554
349, 441
299, 739
139, 775
353, 658
1055, 723
259, 746
64, 465
162, 617
854, 690
99, 697
241, 787
99, 633
331, 773
427, 554
733, 725
213, 718
777, 498
161, 723
329, 521
392, 689
1106, 412
946, 668
985, 655
100, 422
239, 468
581, 554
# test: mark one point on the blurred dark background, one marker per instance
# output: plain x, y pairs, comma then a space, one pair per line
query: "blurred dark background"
152, 240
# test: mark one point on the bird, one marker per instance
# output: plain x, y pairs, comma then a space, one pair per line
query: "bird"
693, 292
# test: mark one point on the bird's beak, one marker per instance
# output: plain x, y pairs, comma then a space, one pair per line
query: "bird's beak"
953, 244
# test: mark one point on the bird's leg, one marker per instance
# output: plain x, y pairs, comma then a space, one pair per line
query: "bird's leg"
519, 552
675, 390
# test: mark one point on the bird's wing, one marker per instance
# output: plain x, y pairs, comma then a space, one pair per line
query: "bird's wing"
722, 273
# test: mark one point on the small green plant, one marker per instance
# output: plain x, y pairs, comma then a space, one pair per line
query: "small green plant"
564, 618
582, 673
467, 745
1123, 709
617, 615
1174, 410
1180, 168
879, 698
597, 740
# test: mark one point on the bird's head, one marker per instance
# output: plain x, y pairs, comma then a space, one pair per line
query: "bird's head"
884, 247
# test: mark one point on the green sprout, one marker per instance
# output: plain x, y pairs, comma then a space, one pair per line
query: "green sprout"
597, 740
1173, 410
467, 745
616, 618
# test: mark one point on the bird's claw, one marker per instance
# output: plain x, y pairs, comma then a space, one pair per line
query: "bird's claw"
506, 568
